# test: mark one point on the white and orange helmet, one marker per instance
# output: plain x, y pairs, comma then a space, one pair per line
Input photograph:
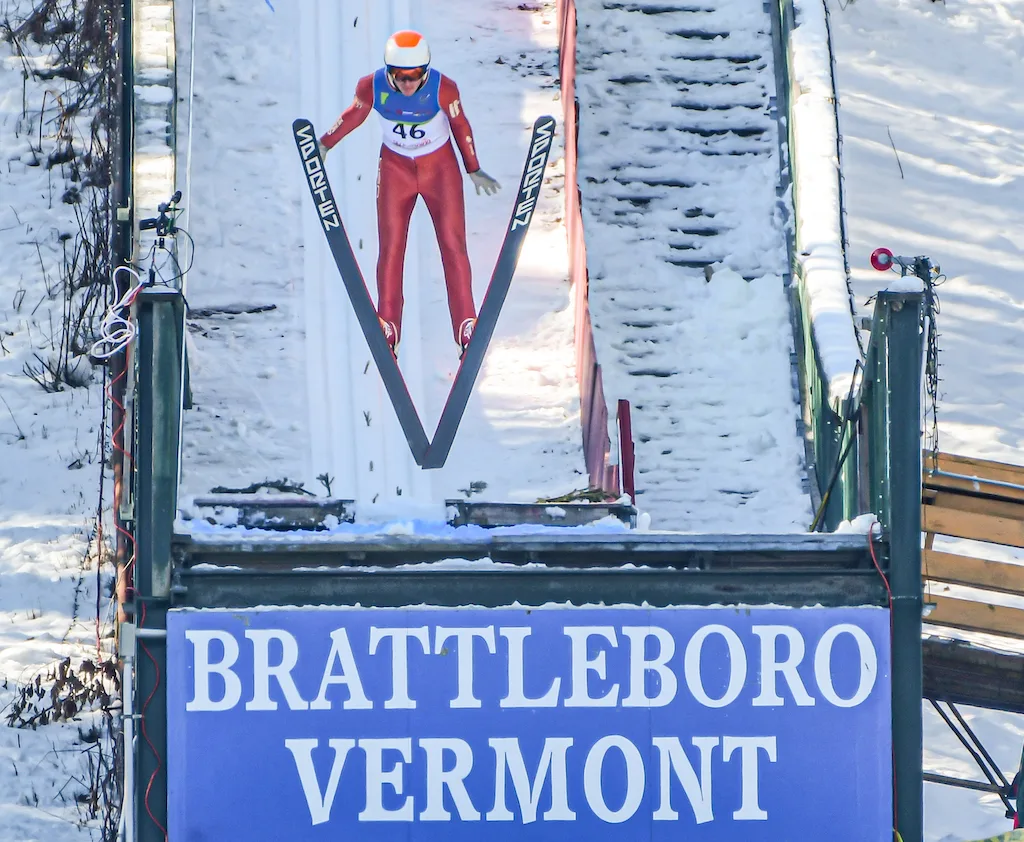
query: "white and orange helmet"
406, 49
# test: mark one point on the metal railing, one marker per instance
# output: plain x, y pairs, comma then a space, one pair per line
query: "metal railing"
609, 463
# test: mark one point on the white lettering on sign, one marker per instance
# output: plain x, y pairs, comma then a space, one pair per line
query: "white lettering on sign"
582, 666
748, 746
204, 669
553, 721
509, 758
341, 652
635, 779
647, 652
771, 667
516, 696
281, 672
672, 761
390, 762
319, 803
639, 666
464, 653
399, 660
377, 778
868, 661
737, 666
454, 780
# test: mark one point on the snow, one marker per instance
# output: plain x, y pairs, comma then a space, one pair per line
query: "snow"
49, 472
424, 530
948, 96
705, 360
860, 525
818, 229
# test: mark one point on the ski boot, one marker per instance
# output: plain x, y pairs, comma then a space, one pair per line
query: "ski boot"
390, 335
465, 335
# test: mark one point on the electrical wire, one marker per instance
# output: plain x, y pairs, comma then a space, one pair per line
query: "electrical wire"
888, 590
843, 452
116, 331
117, 437
99, 520
142, 721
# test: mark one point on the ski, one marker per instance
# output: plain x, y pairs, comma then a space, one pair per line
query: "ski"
497, 290
352, 277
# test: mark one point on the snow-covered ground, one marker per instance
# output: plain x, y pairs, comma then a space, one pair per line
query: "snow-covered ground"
50, 456
942, 78
247, 371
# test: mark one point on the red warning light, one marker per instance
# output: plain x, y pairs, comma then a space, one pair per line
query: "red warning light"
881, 259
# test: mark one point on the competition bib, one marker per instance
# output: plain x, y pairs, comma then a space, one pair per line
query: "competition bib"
412, 125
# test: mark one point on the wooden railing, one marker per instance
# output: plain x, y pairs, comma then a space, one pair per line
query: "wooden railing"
977, 500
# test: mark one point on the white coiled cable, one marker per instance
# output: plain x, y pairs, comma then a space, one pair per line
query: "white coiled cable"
116, 330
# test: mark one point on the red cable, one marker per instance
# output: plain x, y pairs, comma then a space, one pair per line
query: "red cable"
126, 463
145, 736
874, 558
115, 434
888, 590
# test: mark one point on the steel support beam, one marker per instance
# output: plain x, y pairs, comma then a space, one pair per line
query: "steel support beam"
764, 554
159, 316
902, 361
238, 588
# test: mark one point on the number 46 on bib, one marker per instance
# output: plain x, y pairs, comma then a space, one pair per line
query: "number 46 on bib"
409, 132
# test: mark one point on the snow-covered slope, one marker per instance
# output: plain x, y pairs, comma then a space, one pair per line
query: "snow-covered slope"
51, 457
678, 170
293, 392
242, 199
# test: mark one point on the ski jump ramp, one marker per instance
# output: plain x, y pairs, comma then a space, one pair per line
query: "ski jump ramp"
353, 431
354, 434
679, 169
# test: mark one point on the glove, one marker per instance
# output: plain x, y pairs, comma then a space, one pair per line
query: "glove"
482, 181
323, 150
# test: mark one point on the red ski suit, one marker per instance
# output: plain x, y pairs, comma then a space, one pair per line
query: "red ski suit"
403, 176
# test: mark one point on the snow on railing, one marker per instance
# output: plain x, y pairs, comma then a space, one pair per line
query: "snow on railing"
817, 195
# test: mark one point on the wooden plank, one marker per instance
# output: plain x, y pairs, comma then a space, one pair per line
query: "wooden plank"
975, 504
977, 616
465, 512
958, 524
983, 469
959, 672
1004, 577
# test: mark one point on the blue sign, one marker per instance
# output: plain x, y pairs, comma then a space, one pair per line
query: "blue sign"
760, 725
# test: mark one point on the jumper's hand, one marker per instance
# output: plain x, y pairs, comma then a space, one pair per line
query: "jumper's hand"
482, 181
323, 150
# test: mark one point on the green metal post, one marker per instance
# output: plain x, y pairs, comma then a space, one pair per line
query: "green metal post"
158, 399
902, 361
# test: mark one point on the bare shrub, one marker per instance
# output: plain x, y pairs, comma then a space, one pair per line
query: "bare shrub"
79, 40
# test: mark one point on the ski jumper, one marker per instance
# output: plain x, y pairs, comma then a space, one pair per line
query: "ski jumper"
417, 159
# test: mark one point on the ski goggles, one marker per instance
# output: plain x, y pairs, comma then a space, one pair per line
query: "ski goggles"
407, 74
